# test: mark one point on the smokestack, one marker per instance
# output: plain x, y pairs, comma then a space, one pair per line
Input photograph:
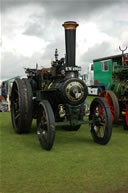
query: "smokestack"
70, 42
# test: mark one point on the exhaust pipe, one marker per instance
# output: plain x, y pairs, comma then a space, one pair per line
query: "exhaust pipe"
70, 42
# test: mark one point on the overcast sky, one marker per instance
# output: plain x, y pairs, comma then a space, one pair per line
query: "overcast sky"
31, 30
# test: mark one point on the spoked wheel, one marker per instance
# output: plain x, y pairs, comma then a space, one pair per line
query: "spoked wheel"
21, 105
46, 125
101, 126
113, 103
126, 119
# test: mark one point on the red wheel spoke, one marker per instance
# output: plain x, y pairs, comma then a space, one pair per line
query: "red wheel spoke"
101, 113
112, 102
112, 109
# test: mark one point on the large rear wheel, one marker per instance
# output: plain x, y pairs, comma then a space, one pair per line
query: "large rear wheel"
46, 125
21, 105
101, 126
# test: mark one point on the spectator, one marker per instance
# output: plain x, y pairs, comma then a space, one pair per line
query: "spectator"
4, 94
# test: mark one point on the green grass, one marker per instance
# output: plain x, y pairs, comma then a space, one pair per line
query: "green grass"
75, 164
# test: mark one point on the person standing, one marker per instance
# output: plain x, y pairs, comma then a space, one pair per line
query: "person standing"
4, 93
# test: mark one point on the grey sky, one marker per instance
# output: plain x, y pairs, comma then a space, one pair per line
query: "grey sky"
31, 30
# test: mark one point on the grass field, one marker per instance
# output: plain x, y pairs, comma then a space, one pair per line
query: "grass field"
75, 164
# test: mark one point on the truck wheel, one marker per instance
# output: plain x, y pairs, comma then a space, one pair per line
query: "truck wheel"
126, 119
21, 106
46, 125
101, 126
113, 103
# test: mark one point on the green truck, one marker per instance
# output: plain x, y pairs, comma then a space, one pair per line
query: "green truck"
99, 73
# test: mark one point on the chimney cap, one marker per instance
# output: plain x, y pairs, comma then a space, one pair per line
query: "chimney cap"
70, 25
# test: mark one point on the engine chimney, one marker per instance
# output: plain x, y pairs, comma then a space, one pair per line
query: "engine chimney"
70, 42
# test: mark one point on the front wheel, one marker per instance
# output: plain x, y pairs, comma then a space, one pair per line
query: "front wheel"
101, 121
46, 125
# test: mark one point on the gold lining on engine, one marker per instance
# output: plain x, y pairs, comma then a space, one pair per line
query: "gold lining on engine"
77, 95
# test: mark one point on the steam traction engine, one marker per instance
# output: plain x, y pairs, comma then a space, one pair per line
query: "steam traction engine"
116, 94
55, 96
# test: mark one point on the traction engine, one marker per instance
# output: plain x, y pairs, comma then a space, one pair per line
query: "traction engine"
116, 94
56, 96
